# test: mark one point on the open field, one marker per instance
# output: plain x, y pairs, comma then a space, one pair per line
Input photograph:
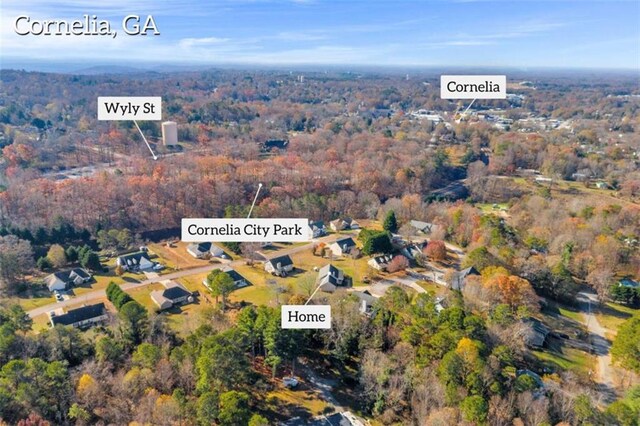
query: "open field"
568, 190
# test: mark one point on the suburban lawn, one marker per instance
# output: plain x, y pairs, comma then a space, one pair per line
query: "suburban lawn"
185, 319
176, 257
40, 323
33, 299
567, 320
143, 295
431, 287
568, 359
101, 280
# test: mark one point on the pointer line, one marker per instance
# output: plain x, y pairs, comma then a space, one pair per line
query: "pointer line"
155, 157
254, 200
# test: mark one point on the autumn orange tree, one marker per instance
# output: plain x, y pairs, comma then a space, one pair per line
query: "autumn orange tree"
509, 289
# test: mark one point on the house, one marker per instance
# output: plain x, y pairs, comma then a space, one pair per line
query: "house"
343, 224
458, 279
536, 335
329, 278
274, 144
134, 262
174, 294
82, 317
367, 301
238, 280
412, 250
422, 227
204, 250
65, 279
280, 265
342, 246
199, 250
381, 262
318, 229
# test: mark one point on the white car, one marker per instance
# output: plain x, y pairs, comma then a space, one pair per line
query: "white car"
290, 382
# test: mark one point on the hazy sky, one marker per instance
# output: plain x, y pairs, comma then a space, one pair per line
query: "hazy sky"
432, 33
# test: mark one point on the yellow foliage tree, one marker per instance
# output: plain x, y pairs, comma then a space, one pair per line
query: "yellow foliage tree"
86, 384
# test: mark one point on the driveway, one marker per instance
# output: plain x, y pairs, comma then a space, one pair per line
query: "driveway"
407, 282
599, 343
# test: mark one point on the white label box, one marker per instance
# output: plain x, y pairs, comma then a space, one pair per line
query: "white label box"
282, 230
115, 108
306, 316
473, 86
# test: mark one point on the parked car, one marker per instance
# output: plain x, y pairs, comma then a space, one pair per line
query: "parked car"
290, 382
59, 297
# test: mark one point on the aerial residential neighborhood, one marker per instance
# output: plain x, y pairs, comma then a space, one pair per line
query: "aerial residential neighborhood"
325, 213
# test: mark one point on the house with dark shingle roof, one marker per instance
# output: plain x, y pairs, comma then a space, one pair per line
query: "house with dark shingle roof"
458, 279
238, 280
380, 262
174, 294
83, 317
280, 265
423, 227
343, 224
367, 302
138, 261
202, 250
318, 228
329, 278
63, 280
537, 334
342, 246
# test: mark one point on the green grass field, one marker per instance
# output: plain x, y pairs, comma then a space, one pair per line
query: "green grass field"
143, 295
612, 315
570, 359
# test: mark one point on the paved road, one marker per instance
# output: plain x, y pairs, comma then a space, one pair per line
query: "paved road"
98, 294
599, 343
